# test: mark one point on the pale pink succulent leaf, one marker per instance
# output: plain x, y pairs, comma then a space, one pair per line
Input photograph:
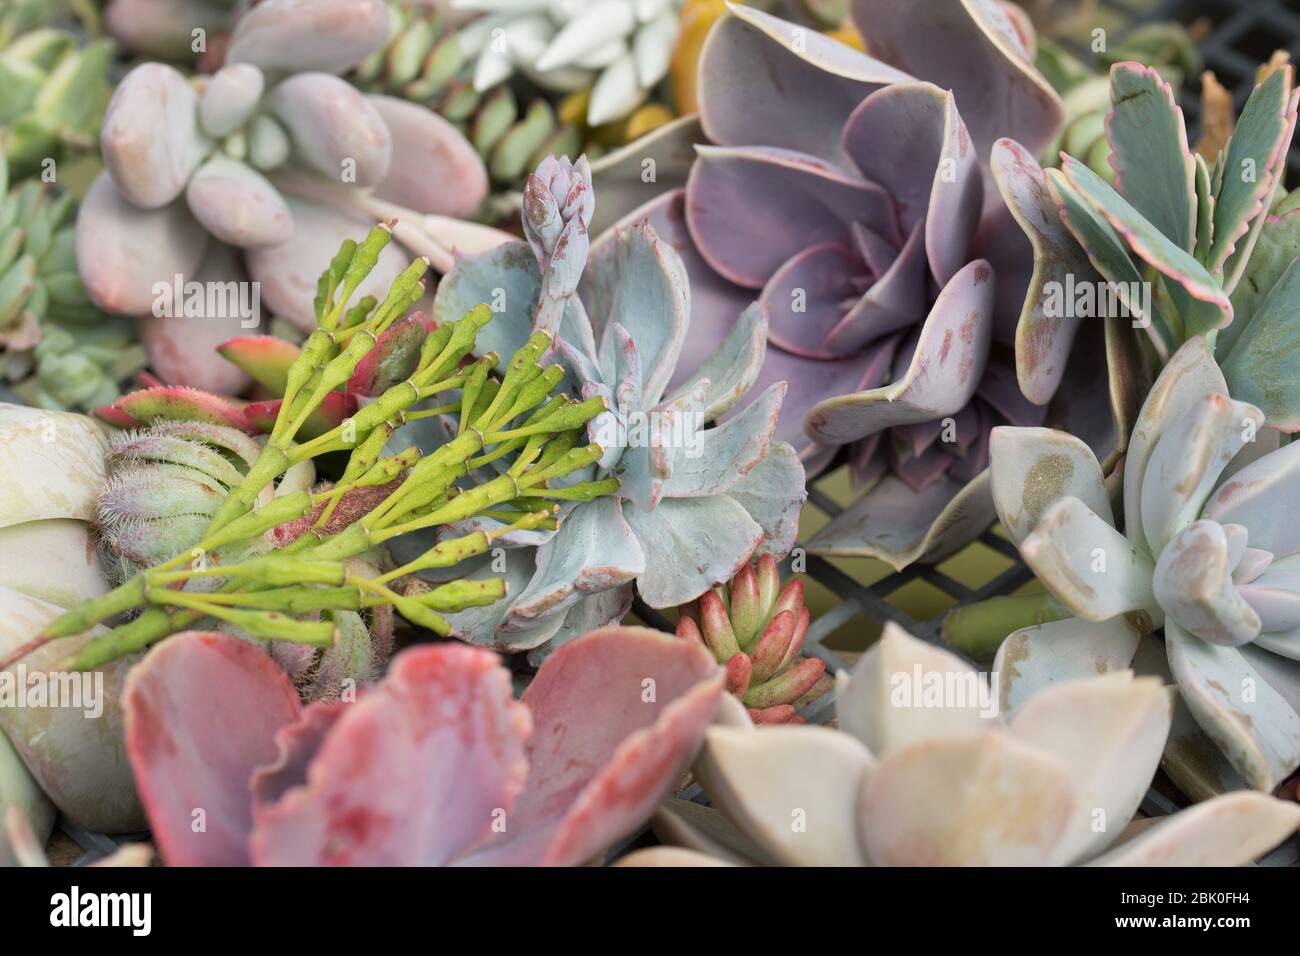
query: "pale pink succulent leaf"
230, 99
435, 169
342, 34
1086, 564
201, 711
415, 772
237, 204
943, 373
1045, 335
1275, 597
1261, 738
821, 81
1037, 657
1154, 169
1033, 468
335, 130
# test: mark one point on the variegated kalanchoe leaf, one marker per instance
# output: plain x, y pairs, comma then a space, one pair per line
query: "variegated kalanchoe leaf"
249, 179
694, 503
925, 769
852, 194
1187, 248
1209, 549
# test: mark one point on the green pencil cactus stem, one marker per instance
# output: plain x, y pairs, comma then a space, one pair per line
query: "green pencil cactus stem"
297, 592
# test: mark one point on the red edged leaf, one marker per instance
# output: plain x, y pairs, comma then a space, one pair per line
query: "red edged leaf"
115, 417
393, 358
414, 773
264, 357
332, 411
201, 713
179, 403
619, 714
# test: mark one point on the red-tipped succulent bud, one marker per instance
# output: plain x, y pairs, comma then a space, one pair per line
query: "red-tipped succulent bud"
755, 628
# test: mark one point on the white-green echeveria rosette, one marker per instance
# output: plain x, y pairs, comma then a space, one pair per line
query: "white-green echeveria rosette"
1210, 549
694, 503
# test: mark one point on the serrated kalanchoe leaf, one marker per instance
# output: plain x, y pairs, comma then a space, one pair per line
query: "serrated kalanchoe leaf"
1277, 248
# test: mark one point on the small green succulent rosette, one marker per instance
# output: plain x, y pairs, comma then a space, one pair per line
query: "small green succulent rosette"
694, 503
1209, 549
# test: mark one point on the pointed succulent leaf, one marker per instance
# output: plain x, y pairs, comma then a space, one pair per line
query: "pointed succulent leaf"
1044, 335
1034, 658
1257, 145
1153, 166
1188, 459
1258, 497
393, 357
691, 544
491, 626
972, 48
1260, 367
871, 708
761, 779
734, 366
718, 458
1086, 564
1033, 468
185, 404
1109, 732
266, 358
971, 800
1230, 830
603, 752
821, 82
1203, 305
944, 371
646, 467
1260, 735
342, 33
1205, 211
184, 757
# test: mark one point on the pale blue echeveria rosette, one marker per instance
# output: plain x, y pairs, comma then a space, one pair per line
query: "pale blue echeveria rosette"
692, 506
851, 195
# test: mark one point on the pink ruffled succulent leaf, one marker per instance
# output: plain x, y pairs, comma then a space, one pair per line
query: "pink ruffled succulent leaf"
201, 711
910, 139
726, 454
435, 169
639, 282
298, 36
1258, 146
690, 545
266, 359
942, 375
1261, 366
331, 413
185, 404
123, 251
593, 551
618, 715
972, 48
414, 773
804, 201
1200, 300
758, 86
1154, 169
297, 744
1044, 334
393, 358
238, 205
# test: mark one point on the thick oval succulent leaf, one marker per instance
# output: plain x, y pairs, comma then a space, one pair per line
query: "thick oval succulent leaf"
759, 86
972, 48
1044, 333
1087, 565
1253, 725
1192, 452
972, 800
334, 128
237, 204
1258, 144
691, 544
904, 691
1261, 497
51, 465
593, 551
202, 711
1230, 830
1201, 302
1032, 468
1261, 366
766, 781
805, 200
342, 33
910, 139
944, 372
1153, 167
1193, 583
435, 169
1109, 732
1189, 376
231, 97
1034, 658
